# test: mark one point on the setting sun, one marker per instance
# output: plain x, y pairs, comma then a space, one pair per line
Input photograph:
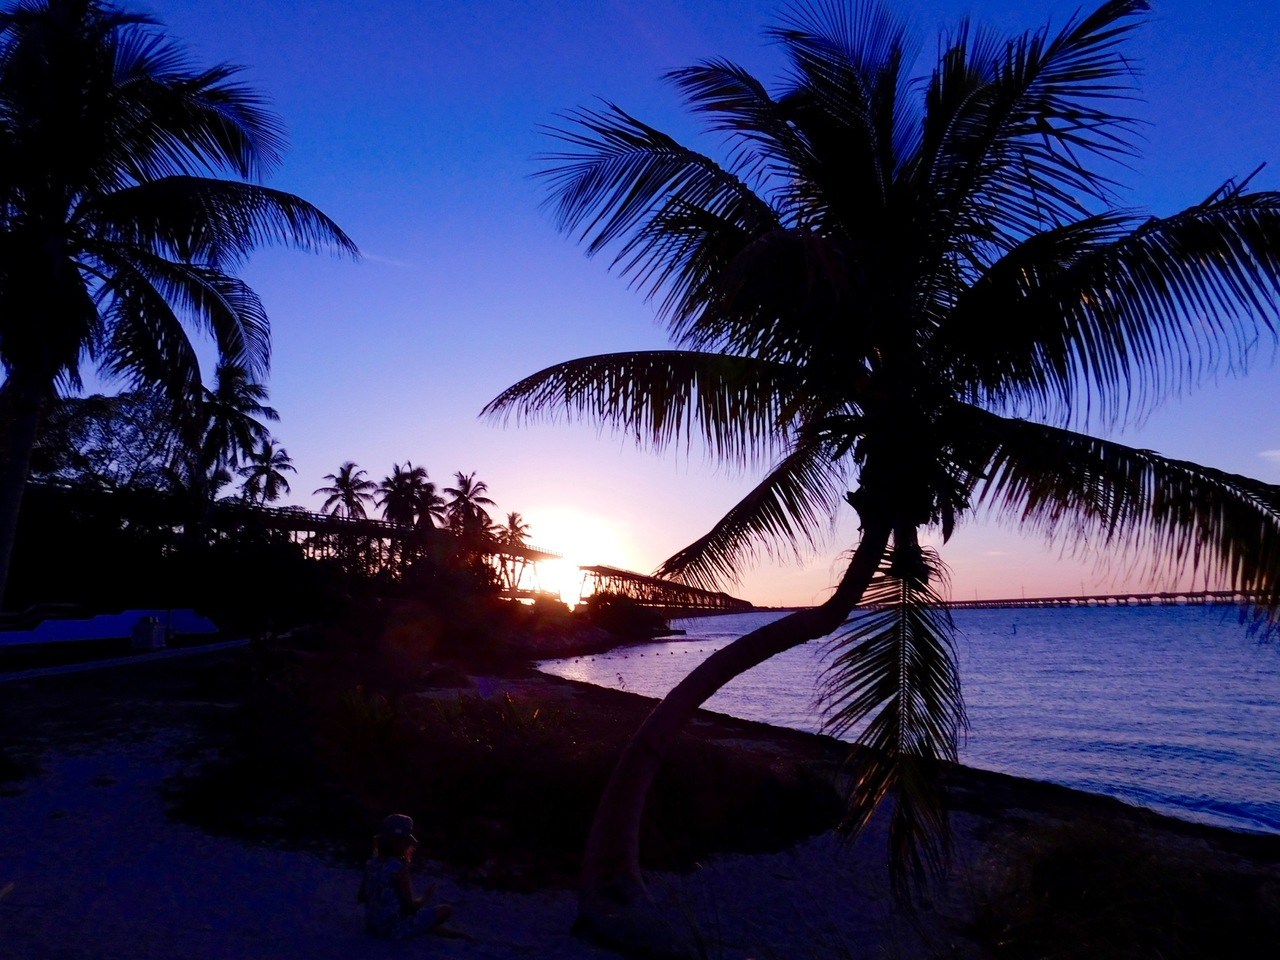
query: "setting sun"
583, 540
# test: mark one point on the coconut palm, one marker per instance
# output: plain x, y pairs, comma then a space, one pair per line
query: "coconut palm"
230, 417
264, 473
510, 538
913, 296
513, 533
400, 494
216, 433
465, 512
117, 233
433, 509
348, 493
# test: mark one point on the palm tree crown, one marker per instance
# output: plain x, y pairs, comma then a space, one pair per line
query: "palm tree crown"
264, 473
348, 493
913, 295
401, 494
466, 511
231, 417
118, 233
513, 533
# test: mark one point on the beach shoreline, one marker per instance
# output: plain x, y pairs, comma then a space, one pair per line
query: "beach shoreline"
102, 867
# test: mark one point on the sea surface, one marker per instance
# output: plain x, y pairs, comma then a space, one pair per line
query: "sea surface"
1172, 708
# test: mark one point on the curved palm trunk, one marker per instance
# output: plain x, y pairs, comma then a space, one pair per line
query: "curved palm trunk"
611, 882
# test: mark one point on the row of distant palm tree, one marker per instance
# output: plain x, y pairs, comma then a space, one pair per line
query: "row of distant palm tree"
408, 498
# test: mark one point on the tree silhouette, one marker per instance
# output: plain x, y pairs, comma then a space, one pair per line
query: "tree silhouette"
465, 512
348, 493
264, 473
918, 291
400, 494
117, 234
511, 538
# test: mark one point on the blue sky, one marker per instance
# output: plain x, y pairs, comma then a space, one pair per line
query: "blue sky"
417, 126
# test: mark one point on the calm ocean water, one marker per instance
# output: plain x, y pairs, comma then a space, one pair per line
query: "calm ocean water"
1172, 708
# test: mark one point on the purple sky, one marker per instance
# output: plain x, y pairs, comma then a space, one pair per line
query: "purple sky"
416, 126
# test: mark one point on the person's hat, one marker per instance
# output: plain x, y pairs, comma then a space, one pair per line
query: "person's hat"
398, 825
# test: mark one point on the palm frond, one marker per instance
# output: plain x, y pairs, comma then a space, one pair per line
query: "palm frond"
849, 99
175, 118
1012, 127
1113, 314
786, 509
765, 146
894, 684
1183, 516
735, 404
216, 303
619, 171
215, 222
145, 342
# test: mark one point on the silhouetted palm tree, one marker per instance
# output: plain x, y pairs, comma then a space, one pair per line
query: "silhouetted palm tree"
400, 494
514, 533
231, 417
917, 290
116, 236
215, 433
432, 508
510, 538
466, 512
348, 492
264, 473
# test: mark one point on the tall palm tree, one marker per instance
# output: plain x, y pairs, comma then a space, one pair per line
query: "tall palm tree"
230, 418
401, 499
348, 493
466, 513
118, 234
510, 538
914, 296
215, 433
264, 473
400, 494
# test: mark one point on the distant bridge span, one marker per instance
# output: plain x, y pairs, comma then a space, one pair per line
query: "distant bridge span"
658, 593
1168, 598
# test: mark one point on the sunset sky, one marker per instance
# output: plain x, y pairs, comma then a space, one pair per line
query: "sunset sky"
416, 125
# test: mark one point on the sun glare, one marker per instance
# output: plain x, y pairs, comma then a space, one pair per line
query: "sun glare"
562, 578
583, 539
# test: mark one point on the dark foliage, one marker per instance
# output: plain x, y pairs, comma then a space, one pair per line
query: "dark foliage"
1102, 891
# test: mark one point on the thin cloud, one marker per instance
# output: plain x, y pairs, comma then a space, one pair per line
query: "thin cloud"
388, 261
1272, 455
995, 553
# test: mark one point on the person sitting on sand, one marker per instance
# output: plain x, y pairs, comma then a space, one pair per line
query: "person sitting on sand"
391, 910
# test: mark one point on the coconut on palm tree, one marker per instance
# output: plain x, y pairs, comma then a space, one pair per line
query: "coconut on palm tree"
913, 296
264, 473
118, 231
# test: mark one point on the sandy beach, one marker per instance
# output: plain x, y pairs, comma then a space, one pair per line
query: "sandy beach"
101, 868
